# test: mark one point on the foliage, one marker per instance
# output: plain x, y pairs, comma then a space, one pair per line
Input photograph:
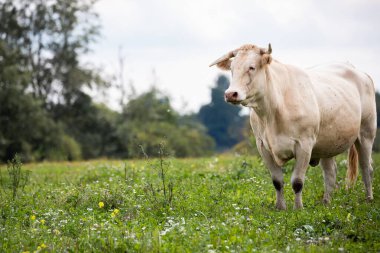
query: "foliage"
93, 126
377, 97
45, 113
149, 120
222, 120
40, 76
44, 39
68, 150
17, 177
220, 204
25, 127
248, 145
162, 194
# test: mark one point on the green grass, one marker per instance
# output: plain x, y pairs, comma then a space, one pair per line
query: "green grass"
219, 204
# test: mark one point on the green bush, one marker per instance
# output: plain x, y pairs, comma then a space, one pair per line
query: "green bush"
66, 150
246, 147
149, 120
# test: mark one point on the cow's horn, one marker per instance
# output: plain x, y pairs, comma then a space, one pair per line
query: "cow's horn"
266, 51
269, 51
224, 57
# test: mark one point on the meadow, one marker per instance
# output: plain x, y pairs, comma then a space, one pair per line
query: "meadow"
217, 204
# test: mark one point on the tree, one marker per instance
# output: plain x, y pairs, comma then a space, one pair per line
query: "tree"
49, 36
40, 45
377, 97
45, 113
92, 125
149, 120
376, 145
222, 120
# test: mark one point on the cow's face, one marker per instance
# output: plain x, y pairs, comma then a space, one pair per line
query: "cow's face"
247, 65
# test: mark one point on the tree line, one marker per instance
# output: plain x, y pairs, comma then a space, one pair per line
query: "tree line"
46, 115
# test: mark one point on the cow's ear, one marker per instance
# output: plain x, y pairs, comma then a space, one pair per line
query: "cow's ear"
224, 65
266, 59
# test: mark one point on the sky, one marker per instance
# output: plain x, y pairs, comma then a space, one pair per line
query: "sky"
170, 43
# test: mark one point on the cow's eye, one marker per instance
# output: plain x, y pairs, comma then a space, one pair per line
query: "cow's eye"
251, 68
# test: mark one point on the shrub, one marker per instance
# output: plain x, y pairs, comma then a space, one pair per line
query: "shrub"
66, 149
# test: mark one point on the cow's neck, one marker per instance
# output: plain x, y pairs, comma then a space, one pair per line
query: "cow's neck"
268, 101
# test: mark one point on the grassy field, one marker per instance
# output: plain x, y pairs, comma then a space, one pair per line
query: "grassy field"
219, 204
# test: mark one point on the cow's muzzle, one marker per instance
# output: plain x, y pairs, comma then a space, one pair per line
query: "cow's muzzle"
232, 97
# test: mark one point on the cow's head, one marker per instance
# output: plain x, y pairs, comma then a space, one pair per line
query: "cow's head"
247, 65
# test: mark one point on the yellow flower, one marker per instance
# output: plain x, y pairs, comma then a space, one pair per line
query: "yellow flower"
42, 221
32, 217
43, 245
101, 204
26, 251
39, 248
115, 212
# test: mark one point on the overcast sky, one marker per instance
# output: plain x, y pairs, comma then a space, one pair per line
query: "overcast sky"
171, 43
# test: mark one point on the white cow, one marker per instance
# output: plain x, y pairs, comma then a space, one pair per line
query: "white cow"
310, 115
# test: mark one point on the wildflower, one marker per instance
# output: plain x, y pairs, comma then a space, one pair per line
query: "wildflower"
43, 245
32, 217
101, 204
42, 221
115, 212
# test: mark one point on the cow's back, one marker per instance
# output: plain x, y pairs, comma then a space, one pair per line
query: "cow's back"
345, 98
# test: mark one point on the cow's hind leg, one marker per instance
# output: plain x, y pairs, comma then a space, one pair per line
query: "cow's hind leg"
364, 147
276, 173
329, 174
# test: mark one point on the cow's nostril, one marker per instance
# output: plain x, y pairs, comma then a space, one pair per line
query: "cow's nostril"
231, 96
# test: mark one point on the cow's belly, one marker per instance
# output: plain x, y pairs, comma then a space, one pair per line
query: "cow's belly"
336, 137
339, 103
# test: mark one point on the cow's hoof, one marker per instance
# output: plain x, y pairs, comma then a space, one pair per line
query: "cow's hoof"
369, 199
298, 206
281, 206
326, 201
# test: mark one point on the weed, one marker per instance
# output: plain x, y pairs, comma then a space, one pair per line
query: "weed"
18, 178
164, 199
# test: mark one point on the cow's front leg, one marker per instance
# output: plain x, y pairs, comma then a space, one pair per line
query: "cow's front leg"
298, 176
277, 176
278, 182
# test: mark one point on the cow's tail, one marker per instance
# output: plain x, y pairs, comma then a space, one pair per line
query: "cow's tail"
352, 171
